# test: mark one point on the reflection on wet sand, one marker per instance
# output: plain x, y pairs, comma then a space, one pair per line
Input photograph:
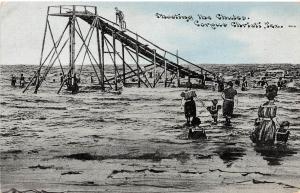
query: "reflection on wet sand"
229, 153
275, 154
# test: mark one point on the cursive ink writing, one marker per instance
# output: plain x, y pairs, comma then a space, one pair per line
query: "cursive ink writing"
223, 21
175, 16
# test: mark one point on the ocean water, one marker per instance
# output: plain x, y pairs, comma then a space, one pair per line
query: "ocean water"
136, 141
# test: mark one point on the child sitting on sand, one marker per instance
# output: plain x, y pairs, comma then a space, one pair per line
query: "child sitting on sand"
214, 110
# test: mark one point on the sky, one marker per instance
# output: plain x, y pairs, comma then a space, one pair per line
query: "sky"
22, 25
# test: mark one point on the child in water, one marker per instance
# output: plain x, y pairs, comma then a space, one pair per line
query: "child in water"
283, 132
214, 110
196, 132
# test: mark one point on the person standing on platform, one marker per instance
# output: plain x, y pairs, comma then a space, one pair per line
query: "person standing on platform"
120, 19
228, 102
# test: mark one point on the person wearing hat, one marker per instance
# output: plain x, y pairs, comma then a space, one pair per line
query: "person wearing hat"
228, 102
266, 124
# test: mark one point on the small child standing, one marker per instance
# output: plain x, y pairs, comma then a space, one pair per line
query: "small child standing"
214, 110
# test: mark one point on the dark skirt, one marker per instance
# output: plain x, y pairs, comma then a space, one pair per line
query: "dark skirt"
190, 108
264, 132
228, 108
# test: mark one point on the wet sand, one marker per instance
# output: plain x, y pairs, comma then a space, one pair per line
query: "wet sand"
136, 142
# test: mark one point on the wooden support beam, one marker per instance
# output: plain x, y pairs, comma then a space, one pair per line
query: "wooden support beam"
178, 70
99, 53
171, 80
111, 54
40, 81
89, 34
128, 64
137, 62
89, 52
102, 50
123, 63
127, 73
57, 43
72, 46
159, 77
55, 47
93, 67
139, 68
154, 63
114, 61
42, 52
165, 69
88, 43
108, 43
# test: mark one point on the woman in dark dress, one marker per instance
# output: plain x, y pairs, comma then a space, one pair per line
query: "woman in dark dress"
228, 102
266, 125
189, 105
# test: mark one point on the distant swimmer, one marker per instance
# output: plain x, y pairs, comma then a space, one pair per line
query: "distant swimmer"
13, 80
34, 81
220, 81
280, 83
78, 78
214, 109
244, 84
75, 87
237, 82
61, 78
263, 82
22, 81
214, 84
228, 102
92, 80
267, 129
